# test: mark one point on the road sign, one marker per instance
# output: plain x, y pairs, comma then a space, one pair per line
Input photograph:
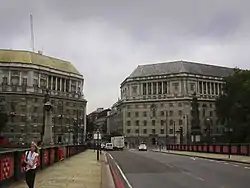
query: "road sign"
97, 136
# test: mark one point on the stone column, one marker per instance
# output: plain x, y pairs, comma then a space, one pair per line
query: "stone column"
56, 84
39, 80
60, 84
51, 83
48, 133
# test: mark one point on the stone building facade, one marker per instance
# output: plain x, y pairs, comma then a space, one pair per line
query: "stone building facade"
24, 78
156, 101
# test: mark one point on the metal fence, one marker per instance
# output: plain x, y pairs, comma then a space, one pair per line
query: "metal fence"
234, 149
11, 161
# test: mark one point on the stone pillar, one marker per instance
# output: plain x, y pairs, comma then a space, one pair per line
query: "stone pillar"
39, 80
48, 133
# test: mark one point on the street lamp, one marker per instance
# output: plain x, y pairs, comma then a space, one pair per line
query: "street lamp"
229, 130
208, 128
174, 133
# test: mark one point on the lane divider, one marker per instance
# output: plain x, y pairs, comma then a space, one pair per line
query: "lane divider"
119, 177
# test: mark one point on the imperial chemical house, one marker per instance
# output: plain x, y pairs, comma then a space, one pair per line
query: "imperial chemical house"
24, 79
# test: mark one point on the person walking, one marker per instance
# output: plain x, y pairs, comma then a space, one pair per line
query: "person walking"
31, 159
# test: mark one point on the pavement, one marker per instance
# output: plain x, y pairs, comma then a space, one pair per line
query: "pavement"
223, 157
150, 169
79, 171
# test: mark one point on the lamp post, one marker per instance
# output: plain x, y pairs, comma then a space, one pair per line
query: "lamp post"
174, 134
208, 129
46, 108
166, 136
229, 131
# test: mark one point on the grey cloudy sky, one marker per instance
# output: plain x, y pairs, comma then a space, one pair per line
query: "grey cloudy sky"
106, 40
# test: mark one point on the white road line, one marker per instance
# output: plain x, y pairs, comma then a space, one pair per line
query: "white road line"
225, 163
211, 160
124, 177
194, 176
247, 167
236, 165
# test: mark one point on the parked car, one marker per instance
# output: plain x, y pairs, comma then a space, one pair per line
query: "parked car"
109, 146
143, 147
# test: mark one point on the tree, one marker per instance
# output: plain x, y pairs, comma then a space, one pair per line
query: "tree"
3, 120
233, 106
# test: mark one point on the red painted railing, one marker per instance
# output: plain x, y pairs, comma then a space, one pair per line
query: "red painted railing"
234, 149
11, 161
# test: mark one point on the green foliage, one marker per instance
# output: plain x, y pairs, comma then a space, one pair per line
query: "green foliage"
233, 106
3, 120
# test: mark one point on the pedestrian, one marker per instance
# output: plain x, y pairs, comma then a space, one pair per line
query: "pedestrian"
31, 159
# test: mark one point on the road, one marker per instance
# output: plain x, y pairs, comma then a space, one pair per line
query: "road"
158, 170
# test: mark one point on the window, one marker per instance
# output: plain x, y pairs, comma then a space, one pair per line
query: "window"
165, 87
192, 87
144, 131
149, 88
159, 87
25, 81
128, 123
136, 114
171, 122
180, 121
153, 131
136, 130
180, 104
145, 123
5, 80
128, 114
171, 105
162, 122
176, 86
153, 122
171, 131
180, 113
211, 113
162, 131
137, 122
145, 114
144, 89
128, 130
154, 88
153, 113
162, 113
171, 113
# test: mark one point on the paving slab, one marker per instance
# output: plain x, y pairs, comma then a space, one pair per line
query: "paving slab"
79, 171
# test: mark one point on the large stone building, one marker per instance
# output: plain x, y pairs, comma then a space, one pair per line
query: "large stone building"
98, 120
24, 78
156, 101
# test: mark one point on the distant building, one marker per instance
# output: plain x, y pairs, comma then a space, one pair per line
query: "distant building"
156, 101
24, 78
115, 119
97, 120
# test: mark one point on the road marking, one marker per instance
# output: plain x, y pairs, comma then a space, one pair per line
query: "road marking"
124, 177
194, 176
247, 167
193, 158
225, 163
211, 160
236, 165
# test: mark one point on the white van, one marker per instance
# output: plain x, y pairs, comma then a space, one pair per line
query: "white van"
109, 146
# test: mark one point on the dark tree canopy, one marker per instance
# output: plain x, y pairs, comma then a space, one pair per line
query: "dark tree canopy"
233, 106
3, 120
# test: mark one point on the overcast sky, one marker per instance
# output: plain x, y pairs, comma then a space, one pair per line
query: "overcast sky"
107, 39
